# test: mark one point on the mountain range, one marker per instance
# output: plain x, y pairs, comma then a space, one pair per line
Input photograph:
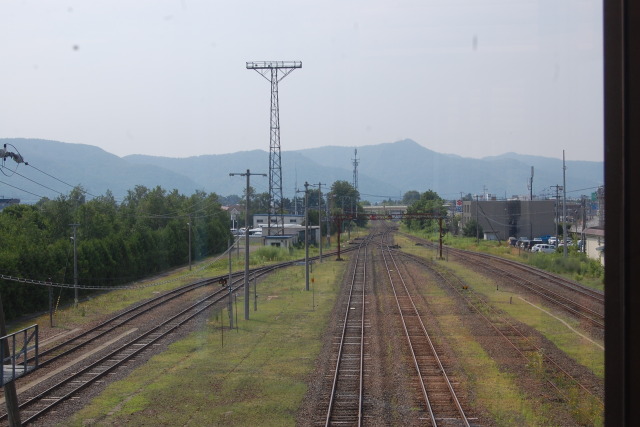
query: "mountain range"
385, 171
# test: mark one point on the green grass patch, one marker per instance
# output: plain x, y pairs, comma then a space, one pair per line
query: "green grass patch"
554, 327
257, 378
561, 331
577, 266
497, 391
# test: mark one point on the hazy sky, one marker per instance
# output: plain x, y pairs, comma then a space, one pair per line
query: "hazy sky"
168, 78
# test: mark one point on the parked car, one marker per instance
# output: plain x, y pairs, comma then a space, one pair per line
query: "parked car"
553, 240
568, 242
543, 248
535, 242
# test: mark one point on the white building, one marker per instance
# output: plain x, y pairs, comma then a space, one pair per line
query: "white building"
260, 220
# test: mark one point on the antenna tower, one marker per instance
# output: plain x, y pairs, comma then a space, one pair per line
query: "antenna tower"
355, 169
274, 71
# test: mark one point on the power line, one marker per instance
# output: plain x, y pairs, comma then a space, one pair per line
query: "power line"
582, 189
378, 195
29, 179
59, 180
18, 188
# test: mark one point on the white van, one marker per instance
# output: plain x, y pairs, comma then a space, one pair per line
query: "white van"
544, 248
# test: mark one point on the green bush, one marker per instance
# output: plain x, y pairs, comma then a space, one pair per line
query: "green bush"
272, 253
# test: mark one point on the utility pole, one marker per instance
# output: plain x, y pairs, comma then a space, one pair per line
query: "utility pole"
558, 188
320, 216
584, 225
246, 241
189, 225
355, 162
10, 394
274, 71
564, 206
306, 235
229, 285
327, 217
75, 264
477, 223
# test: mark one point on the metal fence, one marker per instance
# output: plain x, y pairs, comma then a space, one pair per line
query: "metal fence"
14, 353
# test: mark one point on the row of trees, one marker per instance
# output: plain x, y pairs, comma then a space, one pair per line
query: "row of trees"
430, 202
145, 233
119, 242
341, 197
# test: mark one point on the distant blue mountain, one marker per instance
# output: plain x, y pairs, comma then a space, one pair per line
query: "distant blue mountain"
409, 166
385, 171
66, 165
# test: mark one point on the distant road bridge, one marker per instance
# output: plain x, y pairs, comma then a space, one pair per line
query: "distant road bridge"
385, 210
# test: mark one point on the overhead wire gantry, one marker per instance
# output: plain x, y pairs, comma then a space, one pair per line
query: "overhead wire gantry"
274, 71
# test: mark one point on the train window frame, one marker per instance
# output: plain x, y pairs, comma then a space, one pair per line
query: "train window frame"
622, 161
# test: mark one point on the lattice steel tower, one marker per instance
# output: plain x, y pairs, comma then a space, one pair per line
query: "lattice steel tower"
274, 71
355, 169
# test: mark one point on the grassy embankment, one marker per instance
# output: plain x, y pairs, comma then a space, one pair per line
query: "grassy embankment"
497, 390
576, 266
257, 378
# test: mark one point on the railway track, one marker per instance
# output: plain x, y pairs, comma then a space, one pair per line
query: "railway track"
105, 328
441, 401
347, 401
347, 390
85, 373
585, 303
36, 406
499, 321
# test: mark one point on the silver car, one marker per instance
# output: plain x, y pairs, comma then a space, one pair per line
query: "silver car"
543, 248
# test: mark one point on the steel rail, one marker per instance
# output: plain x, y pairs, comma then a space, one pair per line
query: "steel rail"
568, 304
594, 317
595, 294
359, 266
489, 308
71, 344
445, 377
217, 296
160, 331
564, 282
